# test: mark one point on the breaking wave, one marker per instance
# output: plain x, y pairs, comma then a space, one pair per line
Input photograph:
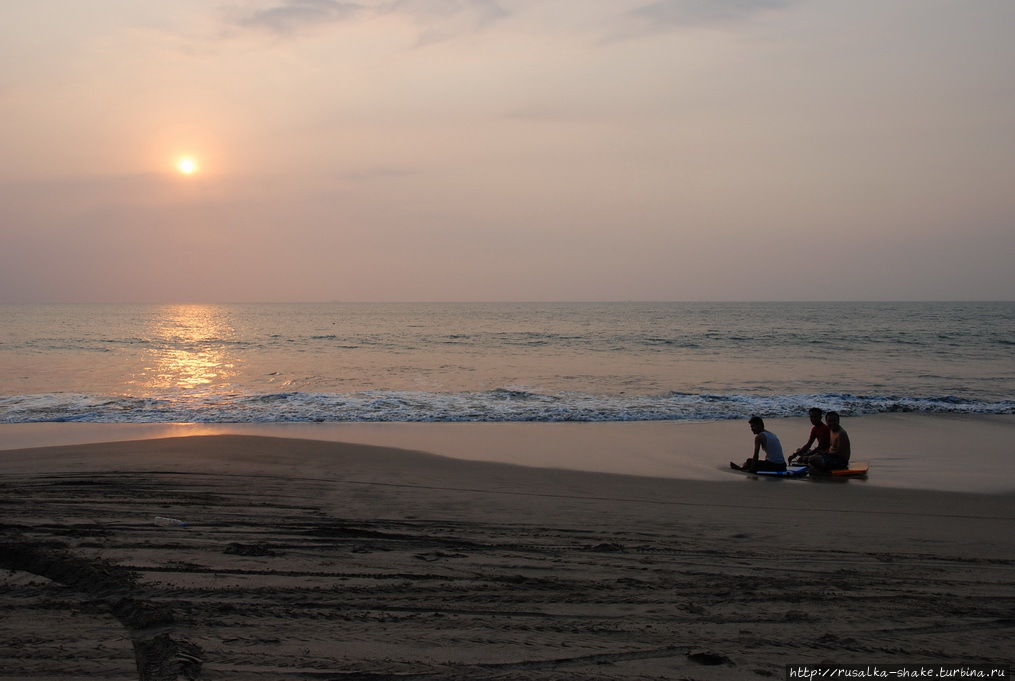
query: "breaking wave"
501, 405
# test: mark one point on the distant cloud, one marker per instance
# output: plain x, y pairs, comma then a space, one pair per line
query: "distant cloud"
441, 19
291, 15
663, 13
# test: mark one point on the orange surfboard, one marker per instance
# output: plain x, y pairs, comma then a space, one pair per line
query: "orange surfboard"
855, 468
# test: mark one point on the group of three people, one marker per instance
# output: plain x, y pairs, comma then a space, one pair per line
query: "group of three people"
827, 448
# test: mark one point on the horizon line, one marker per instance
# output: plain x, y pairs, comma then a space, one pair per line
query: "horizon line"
515, 302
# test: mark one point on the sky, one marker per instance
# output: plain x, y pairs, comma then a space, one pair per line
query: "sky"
523, 150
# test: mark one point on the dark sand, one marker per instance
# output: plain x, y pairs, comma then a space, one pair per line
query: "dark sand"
322, 560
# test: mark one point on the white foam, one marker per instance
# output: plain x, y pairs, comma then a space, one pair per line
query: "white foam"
501, 405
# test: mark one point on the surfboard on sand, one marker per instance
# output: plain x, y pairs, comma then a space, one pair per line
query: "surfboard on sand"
790, 472
855, 468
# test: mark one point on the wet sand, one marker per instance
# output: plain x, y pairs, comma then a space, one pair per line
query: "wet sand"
310, 559
948, 452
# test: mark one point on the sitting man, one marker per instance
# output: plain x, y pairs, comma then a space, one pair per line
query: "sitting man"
763, 440
820, 437
837, 456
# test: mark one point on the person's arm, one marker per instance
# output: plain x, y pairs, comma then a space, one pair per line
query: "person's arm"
807, 447
760, 443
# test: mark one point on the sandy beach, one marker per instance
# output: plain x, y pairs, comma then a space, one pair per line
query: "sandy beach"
310, 559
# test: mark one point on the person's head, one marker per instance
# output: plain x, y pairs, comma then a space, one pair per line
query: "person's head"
757, 424
815, 415
832, 419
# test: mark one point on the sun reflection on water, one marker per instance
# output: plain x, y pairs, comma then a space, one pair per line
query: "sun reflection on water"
189, 349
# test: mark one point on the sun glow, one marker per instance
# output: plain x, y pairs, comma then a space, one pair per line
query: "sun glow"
188, 350
187, 166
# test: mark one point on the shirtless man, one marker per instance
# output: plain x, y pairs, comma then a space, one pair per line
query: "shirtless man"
820, 434
838, 447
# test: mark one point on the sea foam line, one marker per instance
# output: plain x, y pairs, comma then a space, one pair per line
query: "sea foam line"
503, 405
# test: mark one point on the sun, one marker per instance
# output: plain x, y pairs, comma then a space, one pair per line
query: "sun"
187, 166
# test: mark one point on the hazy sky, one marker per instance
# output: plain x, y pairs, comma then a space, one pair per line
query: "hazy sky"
507, 150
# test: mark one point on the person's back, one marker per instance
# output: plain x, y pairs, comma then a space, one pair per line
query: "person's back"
773, 448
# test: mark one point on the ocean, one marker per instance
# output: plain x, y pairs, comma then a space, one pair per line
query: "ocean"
500, 362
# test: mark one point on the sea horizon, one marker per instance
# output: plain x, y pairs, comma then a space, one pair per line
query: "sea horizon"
548, 301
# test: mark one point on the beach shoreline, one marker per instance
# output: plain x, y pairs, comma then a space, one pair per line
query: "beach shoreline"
946, 452
335, 559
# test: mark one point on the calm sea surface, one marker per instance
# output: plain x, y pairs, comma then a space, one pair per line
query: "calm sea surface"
500, 362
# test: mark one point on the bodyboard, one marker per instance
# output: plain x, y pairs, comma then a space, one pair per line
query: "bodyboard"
790, 472
855, 468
